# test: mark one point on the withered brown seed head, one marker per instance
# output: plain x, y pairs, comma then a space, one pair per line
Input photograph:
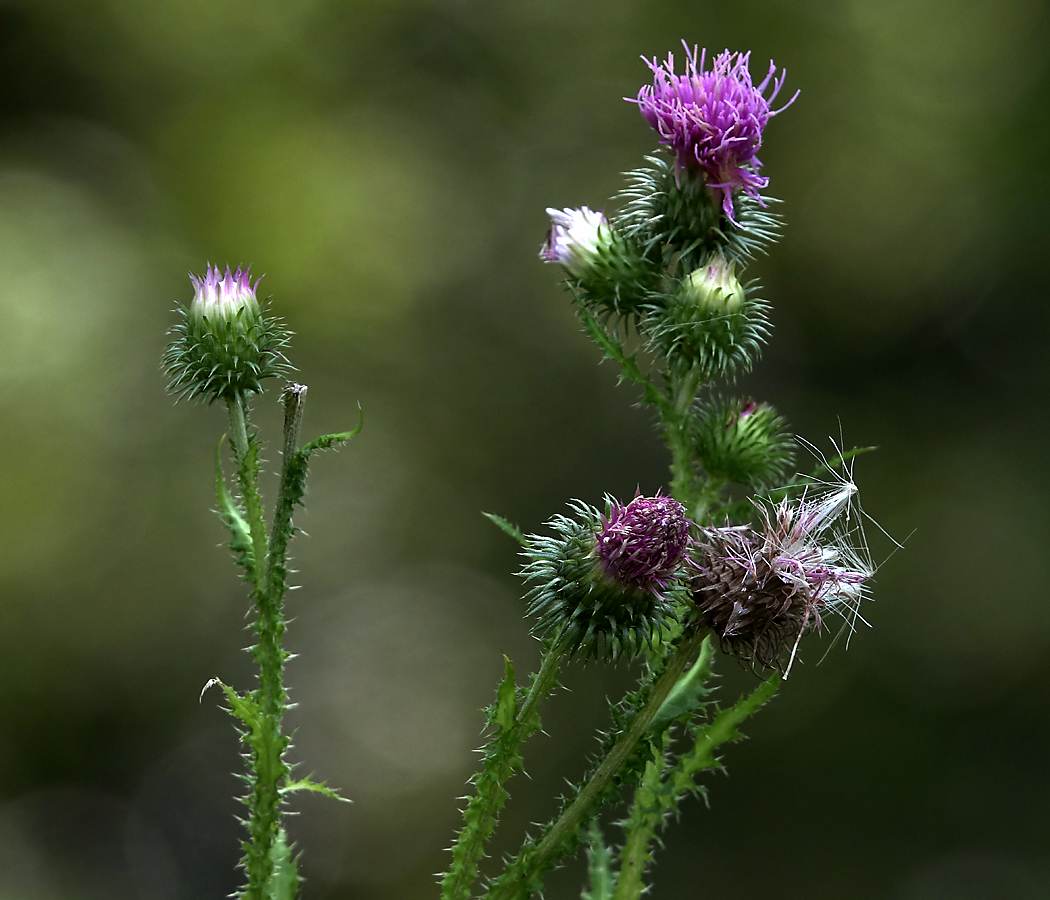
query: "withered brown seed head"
759, 592
741, 597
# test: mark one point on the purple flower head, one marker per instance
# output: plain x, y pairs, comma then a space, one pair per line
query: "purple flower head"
761, 592
575, 239
216, 294
713, 120
642, 545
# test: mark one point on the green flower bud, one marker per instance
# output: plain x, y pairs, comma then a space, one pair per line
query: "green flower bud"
708, 322
741, 441
714, 287
225, 345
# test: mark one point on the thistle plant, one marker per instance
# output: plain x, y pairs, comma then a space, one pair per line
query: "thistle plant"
223, 349
737, 553
734, 552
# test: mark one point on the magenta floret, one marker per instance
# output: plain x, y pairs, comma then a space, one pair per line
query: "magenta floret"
642, 545
215, 292
713, 120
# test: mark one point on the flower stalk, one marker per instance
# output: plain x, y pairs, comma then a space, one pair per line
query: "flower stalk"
536, 858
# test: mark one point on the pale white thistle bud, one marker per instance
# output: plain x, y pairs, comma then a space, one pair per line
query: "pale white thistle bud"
576, 239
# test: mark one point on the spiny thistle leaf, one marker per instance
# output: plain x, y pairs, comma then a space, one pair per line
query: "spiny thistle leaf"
658, 795
284, 881
688, 694
599, 869
326, 441
233, 518
505, 526
708, 738
502, 757
316, 787
613, 350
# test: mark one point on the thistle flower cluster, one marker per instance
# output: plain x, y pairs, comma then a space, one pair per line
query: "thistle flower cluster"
606, 584
666, 264
225, 345
761, 591
713, 120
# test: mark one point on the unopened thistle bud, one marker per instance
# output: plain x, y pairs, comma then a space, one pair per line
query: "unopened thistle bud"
761, 591
714, 288
606, 584
576, 239
711, 322
741, 441
612, 275
226, 344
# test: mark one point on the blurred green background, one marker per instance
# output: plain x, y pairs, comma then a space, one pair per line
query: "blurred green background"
386, 165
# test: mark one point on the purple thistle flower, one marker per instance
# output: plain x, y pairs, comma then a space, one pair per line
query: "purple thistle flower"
575, 239
713, 120
761, 592
216, 294
641, 546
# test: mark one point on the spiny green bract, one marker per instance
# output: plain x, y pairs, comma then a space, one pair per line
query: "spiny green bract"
742, 441
577, 606
671, 213
220, 356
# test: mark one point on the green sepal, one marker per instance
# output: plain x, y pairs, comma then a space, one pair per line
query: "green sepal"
620, 277
570, 596
599, 865
284, 878
233, 518
505, 526
689, 692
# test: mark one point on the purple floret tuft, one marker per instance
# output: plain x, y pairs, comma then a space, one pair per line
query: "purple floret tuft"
713, 120
642, 545
216, 292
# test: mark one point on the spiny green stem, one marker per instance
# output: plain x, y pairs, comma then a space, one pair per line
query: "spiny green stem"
490, 794
543, 855
268, 750
676, 431
294, 399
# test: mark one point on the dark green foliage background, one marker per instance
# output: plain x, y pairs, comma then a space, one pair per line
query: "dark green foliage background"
386, 166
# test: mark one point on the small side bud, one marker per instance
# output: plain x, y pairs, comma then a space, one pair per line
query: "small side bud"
576, 239
741, 441
714, 287
226, 344
604, 585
